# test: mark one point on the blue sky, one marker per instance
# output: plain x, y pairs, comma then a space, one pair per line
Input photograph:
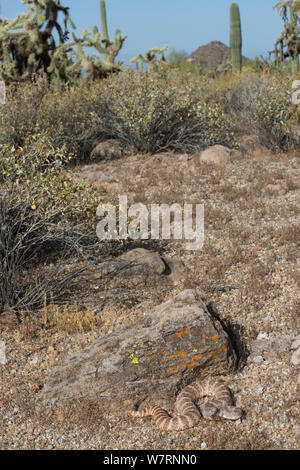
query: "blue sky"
180, 24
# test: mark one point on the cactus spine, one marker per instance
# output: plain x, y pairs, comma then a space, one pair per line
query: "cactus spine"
235, 38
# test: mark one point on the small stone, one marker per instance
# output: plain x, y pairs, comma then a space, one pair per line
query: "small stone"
262, 336
108, 149
273, 189
258, 359
258, 389
295, 344
268, 318
295, 359
2, 353
183, 158
203, 445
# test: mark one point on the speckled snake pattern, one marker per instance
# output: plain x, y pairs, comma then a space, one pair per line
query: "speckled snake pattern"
219, 405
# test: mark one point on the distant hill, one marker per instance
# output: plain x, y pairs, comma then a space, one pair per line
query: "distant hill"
211, 55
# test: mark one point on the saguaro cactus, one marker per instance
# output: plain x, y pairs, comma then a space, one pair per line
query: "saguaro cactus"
235, 38
105, 37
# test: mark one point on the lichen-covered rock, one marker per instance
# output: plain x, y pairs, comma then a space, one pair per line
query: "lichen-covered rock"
168, 347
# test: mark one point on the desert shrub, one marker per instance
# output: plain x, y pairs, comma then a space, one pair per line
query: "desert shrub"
157, 112
70, 119
146, 112
18, 117
46, 218
28, 241
261, 104
37, 170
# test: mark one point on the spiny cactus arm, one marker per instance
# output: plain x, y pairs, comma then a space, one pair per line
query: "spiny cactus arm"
137, 58
150, 56
119, 40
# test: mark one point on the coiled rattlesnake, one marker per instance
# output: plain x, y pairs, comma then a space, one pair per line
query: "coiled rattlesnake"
220, 405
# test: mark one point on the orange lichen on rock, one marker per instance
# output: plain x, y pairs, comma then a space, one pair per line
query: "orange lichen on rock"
194, 361
214, 337
150, 357
179, 354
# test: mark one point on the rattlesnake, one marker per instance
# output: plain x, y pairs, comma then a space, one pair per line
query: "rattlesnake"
220, 405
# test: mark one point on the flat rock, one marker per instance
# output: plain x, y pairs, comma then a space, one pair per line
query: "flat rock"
250, 143
269, 347
168, 347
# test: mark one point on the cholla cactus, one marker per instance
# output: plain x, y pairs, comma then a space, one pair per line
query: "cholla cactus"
288, 44
151, 58
25, 47
28, 46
